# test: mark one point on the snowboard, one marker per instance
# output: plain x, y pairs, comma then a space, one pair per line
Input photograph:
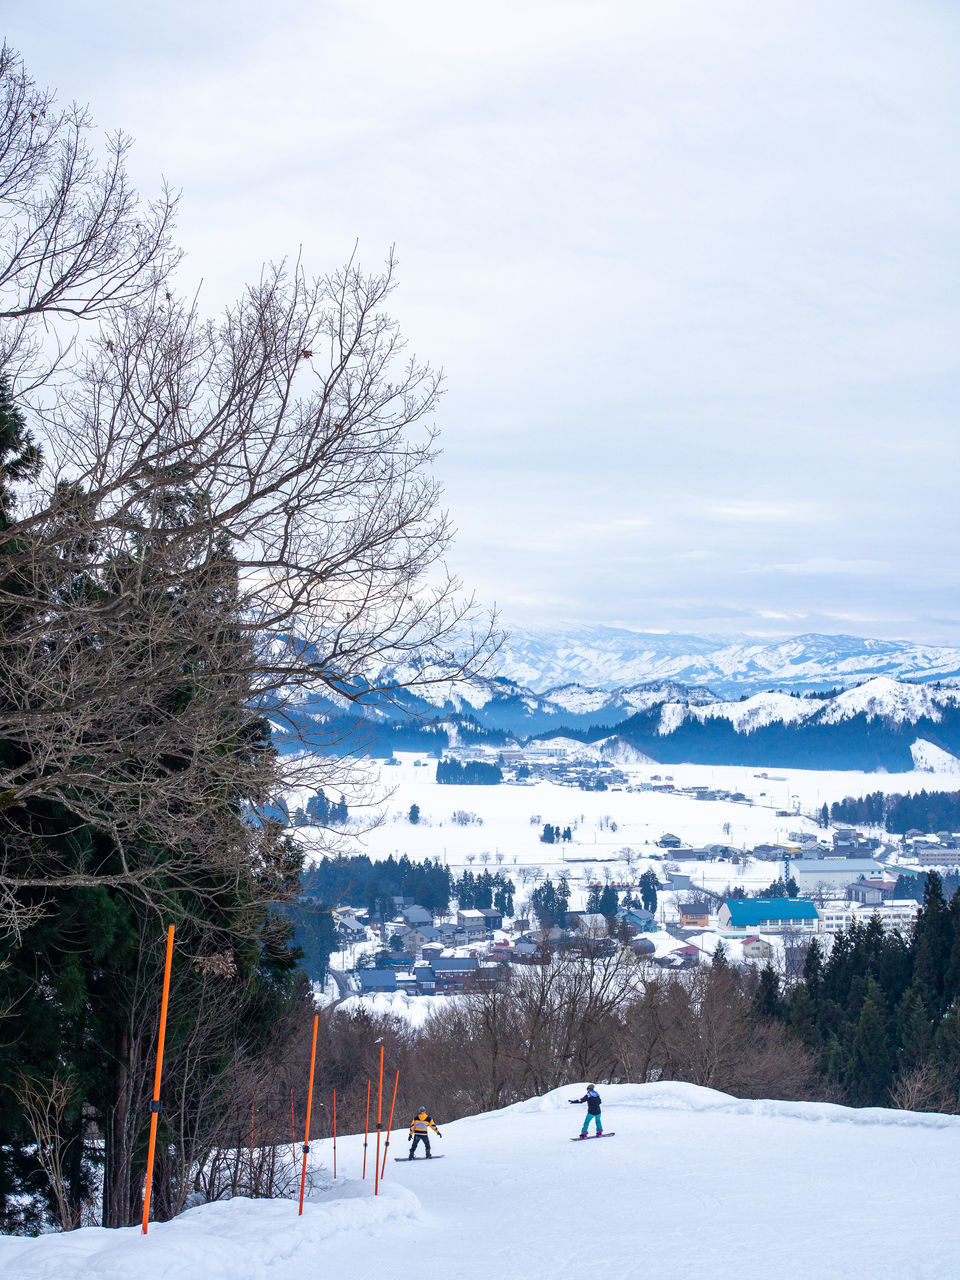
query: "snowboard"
407, 1160
590, 1136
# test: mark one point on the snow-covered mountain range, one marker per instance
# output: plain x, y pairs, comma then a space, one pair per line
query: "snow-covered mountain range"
795, 715
613, 658
881, 724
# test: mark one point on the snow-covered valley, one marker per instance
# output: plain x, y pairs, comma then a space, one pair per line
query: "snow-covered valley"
463, 825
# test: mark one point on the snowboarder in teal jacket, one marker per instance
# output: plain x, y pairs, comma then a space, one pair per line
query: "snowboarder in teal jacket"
592, 1099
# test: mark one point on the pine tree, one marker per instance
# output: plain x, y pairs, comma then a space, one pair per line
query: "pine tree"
946, 1047
648, 891
932, 945
801, 1016
609, 903
914, 1034
869, 1069
767, 1002
414, 814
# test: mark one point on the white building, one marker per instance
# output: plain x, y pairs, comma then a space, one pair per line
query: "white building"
900, 913
813, 874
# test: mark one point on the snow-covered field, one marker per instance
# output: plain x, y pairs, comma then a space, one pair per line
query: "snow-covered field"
605, 823
694, 1183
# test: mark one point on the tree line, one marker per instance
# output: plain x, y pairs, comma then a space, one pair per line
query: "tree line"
359, 881
881, 1012
473, 773
922, 811
485, 891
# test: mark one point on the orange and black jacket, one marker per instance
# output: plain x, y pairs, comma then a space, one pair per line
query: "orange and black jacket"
421, 1123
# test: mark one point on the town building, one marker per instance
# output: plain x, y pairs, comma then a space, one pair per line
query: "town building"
694, 915
776, 915
901, 913
374, 980
826, 875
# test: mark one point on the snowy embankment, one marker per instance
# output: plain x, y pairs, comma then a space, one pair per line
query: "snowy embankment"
396, 1004
693, 1182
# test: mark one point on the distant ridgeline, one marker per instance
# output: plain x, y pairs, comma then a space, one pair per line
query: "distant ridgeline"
870, 727
923, 811
860, 742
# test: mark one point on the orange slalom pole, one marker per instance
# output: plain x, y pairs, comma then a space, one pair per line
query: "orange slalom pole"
306, 1132
334, 1133
376, 1167
155, 1104
396, 1080
366, 1128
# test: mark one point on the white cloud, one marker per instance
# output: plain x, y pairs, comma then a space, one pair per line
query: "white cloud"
690, 265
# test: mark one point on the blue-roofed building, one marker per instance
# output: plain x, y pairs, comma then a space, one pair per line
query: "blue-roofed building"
768, 913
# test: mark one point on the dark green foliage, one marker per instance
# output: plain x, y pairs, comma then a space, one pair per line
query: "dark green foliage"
913, 1033
648, 891
882, 1011
609, 902
414, 815
766, 999
868, 1072
775, 890
360, 882
315, 935
553, 835
933, 947
483, 891
924, 811
476, 773
550, 903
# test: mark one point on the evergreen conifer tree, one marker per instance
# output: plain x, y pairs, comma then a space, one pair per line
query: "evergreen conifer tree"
933, 944
609, 903
767, 1002
914, 1035
869, 1069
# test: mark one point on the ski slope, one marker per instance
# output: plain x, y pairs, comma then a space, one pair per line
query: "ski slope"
694, 1183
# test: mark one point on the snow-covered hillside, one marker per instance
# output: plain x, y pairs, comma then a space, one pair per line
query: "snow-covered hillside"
612, 658
694, 1182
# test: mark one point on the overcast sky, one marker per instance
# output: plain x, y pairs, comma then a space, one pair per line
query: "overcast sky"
690, 267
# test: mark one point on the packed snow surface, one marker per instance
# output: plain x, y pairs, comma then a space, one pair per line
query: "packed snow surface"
694, 1183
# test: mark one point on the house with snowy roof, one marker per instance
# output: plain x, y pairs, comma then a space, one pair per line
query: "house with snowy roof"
756, 948
373, 980
471, 922
813, 874
772, 914
694, 915
452, 973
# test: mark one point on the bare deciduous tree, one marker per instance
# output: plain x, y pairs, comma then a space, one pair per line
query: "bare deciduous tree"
240, 504
76, 242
